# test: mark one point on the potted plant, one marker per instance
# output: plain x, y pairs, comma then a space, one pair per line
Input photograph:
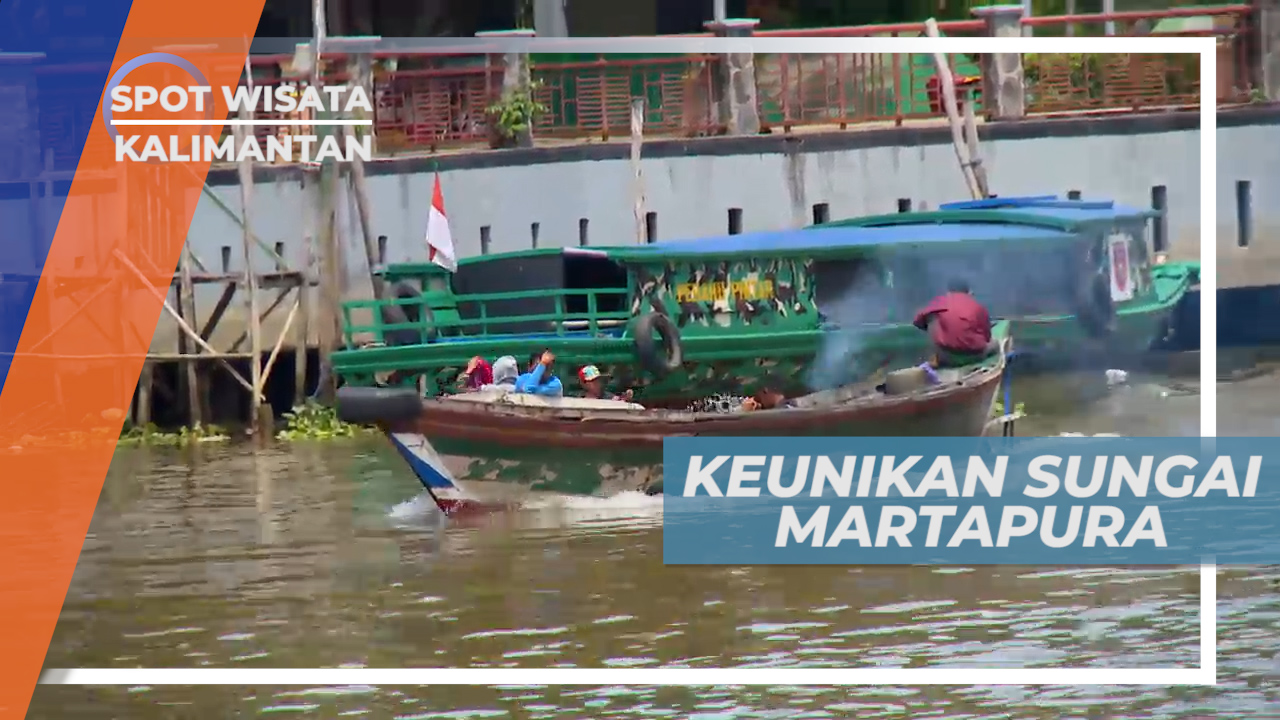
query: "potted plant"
511, 119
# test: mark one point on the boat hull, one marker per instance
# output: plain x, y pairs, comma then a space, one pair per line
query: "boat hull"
603, 457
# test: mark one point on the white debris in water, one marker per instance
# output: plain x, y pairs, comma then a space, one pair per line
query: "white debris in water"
1073, 434
1117, 377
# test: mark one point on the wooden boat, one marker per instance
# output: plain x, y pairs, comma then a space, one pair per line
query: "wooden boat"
576, 444
679, 320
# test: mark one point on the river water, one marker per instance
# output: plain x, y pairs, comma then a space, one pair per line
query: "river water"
328, 555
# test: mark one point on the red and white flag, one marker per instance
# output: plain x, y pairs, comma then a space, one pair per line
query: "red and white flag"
439, 239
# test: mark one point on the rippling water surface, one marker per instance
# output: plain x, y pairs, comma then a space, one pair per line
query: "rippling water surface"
328, 555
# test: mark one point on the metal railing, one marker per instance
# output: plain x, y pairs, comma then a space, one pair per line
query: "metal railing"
429, 102
561, 320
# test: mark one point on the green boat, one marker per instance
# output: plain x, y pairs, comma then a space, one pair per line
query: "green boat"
1026, 285
819, 307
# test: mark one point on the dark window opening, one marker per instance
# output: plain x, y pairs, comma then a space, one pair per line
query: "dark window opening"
538, 277
587, 272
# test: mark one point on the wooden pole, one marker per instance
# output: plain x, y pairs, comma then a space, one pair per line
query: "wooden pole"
142, 411
948, 89
187, 306
284, 332
303, 340
975, 158
250, 283
360, 190
637, 141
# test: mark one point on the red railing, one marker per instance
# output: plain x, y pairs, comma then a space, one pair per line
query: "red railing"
430, 102
1075, 83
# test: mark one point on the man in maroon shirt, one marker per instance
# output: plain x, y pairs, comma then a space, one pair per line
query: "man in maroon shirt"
959, 327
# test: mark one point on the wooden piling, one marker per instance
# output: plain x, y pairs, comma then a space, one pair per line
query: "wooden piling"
637, 141
360, 190
971, 136
245, 167
947, 88
187, 307
142, 410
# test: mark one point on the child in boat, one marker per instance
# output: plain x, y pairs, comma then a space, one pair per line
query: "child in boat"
477, 375
768, 397
506, 370
592, 381
540, 380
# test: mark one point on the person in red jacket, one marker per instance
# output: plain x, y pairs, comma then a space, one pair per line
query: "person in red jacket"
959, 327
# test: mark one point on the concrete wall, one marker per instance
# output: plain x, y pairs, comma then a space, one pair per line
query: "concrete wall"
776, 180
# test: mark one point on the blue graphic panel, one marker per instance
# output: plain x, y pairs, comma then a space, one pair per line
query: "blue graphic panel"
971, 501
55, 58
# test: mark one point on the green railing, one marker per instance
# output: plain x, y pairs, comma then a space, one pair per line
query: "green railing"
448, 321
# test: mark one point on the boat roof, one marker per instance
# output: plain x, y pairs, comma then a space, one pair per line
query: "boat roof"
838, 240
1046, 218
1038, 210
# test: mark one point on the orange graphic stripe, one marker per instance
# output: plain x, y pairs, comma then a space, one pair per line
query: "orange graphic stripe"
65, 398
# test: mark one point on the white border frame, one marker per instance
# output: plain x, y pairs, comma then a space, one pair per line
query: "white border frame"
1206, 674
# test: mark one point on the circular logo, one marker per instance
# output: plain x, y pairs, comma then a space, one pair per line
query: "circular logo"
150, 58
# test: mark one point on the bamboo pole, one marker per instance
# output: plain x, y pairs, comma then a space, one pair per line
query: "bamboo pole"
975, 157
182, 324
637, 141
284, 332
948, 89
360, 190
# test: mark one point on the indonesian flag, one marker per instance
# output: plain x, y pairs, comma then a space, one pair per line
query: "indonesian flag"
439, 239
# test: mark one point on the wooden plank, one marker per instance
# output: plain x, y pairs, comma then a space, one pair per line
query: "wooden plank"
228, 293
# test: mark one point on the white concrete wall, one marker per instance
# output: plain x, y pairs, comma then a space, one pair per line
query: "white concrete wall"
692, 193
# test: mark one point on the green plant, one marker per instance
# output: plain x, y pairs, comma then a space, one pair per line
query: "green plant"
1045, 73
997, 410
516, 111
313, 421
150, 435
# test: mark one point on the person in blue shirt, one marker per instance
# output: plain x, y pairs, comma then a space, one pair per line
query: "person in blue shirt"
540, 380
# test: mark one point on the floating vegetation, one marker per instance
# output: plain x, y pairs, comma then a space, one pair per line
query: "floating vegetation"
997, 410
151, 436
313, 421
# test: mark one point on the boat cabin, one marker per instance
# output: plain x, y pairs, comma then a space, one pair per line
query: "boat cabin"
1022, 257
757, 296
1059, 243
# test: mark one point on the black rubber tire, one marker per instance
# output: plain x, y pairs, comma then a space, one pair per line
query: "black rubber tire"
654, 488
375, 405
658, 358
404, 291
1095, 311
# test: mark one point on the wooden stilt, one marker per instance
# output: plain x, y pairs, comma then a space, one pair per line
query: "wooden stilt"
360, 189
330, 286
142, 410
251, 286
301, 343
191, 375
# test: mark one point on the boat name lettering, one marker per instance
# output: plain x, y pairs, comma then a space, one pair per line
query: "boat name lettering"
713, 291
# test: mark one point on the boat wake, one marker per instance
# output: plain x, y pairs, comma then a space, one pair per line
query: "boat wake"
550, 511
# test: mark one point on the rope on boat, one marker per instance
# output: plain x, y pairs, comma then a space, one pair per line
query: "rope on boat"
1007, 382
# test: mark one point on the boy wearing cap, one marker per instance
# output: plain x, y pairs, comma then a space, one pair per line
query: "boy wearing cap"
593, 385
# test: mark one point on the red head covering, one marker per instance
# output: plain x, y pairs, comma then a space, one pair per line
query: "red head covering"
483, 374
